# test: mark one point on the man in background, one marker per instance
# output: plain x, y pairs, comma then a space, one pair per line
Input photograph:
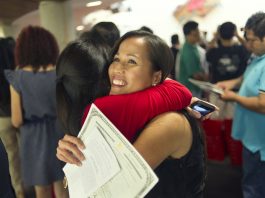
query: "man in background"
190, 60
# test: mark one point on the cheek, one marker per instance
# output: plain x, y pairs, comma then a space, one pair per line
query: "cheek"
110, 70
256, 47
141, 78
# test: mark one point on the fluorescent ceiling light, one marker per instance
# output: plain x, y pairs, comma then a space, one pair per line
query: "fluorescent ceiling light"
94, 3
80, 28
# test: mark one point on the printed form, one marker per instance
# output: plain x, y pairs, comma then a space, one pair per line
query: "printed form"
113, 168
206, 86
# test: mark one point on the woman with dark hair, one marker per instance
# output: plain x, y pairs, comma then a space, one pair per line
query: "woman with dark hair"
33, 110
107, 30
79, 70
140, 63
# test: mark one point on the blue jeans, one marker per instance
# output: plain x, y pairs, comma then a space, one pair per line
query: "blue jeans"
253, 184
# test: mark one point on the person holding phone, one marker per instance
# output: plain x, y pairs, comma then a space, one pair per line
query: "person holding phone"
249, 118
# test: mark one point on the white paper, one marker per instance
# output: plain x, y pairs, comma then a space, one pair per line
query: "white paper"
113, 168
98, 168
206, 86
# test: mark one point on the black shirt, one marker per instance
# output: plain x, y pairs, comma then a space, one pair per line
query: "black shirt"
226, 63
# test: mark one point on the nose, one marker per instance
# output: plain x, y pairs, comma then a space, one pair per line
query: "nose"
118, 67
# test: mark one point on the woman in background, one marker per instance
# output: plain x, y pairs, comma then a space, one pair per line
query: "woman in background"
33, 110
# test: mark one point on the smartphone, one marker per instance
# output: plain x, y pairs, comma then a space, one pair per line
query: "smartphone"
203, 107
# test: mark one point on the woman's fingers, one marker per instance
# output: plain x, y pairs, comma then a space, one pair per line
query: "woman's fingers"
74, 140
194, 99
67, 157
194, 113
68, 150
71, 148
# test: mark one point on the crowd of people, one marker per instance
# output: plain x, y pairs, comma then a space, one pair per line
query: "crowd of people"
46, 96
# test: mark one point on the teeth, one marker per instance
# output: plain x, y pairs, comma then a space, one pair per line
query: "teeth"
118, 82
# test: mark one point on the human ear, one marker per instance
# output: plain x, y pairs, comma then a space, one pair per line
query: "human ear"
157, 76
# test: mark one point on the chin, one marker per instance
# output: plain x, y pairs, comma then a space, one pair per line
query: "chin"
117, 91
113, 92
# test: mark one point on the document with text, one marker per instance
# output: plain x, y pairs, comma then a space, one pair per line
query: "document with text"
112, 168
206, 86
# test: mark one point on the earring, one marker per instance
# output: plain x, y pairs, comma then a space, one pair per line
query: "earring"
154, 84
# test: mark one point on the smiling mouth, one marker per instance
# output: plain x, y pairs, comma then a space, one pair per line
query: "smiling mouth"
118, 82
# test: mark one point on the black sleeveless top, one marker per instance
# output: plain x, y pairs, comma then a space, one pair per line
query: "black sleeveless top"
184, 177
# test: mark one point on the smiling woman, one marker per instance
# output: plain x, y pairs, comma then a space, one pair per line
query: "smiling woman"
131, 70
139, 61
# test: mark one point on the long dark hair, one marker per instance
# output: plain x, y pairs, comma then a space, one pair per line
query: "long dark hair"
79, 80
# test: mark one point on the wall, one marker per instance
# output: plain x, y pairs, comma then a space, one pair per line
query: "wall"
158, 15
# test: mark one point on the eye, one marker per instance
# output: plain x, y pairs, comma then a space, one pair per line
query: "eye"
116, 59
131, 61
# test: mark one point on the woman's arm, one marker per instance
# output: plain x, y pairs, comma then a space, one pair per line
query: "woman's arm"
16, 108
124, 110
166, 135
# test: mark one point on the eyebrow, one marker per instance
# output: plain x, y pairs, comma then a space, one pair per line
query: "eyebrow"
133, 55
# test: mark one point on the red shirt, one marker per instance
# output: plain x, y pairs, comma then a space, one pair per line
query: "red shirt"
130, 112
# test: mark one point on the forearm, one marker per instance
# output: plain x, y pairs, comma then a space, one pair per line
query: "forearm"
234, 82
230, 84
256, 104
175, 96
16, 108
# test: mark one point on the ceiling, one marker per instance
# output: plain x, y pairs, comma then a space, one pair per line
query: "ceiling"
10, 10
